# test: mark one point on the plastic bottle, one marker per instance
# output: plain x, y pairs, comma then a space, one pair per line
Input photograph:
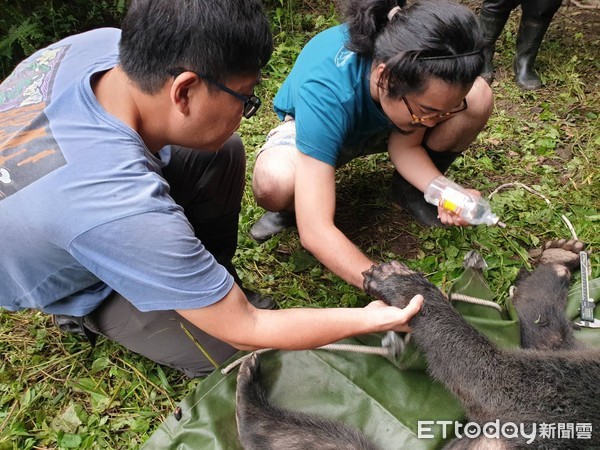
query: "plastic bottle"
453, 197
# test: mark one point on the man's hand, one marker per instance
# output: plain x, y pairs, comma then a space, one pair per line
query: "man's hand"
393, 318
237, 322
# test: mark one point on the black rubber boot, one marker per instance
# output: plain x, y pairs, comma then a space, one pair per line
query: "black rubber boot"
529, 38
491, 25
272, 223
405, 196
258, 300
74, 325
219, 237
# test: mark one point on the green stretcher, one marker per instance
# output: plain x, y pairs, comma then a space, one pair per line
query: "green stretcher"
384, 399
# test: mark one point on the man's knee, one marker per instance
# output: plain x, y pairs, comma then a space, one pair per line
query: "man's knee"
226, 176
158, 335
195, 366
195, 175
235, 156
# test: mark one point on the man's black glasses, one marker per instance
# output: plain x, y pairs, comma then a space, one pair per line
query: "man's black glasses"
251, 104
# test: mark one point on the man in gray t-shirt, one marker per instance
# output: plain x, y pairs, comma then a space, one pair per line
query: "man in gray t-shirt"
121, 182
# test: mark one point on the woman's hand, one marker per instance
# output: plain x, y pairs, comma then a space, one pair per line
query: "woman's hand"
448, 217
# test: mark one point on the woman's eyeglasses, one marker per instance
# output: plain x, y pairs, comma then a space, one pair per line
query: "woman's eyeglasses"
416, 119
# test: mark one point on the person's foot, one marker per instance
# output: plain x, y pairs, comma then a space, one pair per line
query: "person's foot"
68, 324
73, 325
270, 224
404, 196
259, 301
525, 76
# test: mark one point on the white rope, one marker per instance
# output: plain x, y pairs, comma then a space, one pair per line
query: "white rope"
241, 359
393, 12
475, 301
371, 350
533, 191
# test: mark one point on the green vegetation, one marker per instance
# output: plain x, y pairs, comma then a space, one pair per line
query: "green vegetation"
26, 26
56, 392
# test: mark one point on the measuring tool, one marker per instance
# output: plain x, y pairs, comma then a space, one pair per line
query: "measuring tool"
586, 311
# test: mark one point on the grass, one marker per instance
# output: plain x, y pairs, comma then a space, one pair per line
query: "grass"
56, 392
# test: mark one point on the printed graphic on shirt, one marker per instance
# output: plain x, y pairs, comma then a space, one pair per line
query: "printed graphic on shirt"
28, 151
342, 56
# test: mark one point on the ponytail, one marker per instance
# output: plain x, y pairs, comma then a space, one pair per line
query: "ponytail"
429, 38
366, 19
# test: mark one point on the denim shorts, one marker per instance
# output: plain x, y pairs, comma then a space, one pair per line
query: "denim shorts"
284, 135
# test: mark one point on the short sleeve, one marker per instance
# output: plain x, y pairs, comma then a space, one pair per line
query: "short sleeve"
154, 260
322, 122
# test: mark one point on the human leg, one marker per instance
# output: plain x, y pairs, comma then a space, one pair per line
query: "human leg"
406, 197
159, 336
492, 18
273, 182
536, 18
209, 186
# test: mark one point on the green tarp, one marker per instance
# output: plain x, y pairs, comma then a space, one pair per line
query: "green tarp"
366, 391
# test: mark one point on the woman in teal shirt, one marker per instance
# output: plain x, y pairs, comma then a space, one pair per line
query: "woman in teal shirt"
403, 81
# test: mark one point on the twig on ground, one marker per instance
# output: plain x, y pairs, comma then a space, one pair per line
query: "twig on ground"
586, 4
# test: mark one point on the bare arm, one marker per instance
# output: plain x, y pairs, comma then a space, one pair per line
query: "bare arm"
315, 209
237, 322
412, 162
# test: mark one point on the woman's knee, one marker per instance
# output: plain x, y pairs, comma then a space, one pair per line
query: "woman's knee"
272, 192
273, 181
481, 102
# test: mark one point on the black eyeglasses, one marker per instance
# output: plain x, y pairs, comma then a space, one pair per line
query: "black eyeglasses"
251, 104
416, 119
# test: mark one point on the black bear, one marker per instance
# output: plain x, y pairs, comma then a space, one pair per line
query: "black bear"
550, 380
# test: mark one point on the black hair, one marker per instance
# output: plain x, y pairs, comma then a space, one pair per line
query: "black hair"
440, 39
219, 38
